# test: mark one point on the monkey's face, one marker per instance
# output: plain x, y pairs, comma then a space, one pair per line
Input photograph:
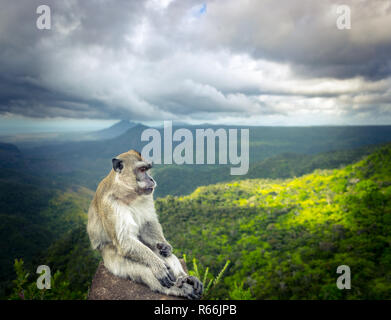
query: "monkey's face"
145, 182
132, 172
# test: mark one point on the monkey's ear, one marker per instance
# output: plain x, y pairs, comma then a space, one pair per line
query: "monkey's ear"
117, 165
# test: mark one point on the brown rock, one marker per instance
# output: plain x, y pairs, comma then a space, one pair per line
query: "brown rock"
106, 286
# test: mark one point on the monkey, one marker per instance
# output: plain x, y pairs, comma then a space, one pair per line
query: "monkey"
124, 227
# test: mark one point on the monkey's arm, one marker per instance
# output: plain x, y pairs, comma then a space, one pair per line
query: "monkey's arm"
152, 236
135, 250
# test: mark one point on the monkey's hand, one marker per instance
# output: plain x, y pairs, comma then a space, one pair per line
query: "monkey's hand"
191, 286
164, 274
164, 249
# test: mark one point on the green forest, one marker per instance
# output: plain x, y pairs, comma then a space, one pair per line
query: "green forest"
286, 238
282, 236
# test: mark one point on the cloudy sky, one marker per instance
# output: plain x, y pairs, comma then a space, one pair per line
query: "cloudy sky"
249, 62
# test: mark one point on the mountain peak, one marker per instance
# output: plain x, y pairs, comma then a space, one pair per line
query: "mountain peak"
115, 130
123, 122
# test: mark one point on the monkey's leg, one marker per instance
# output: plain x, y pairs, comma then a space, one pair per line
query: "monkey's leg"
182, 277
126, 268
175, 265
140, 273
151, 235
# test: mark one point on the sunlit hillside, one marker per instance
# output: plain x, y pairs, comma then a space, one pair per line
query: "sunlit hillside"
286, 238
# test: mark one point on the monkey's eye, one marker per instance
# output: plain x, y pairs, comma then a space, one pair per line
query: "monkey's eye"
143, 169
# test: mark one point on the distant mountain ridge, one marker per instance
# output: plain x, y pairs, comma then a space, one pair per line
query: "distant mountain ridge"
92, 159
35, 140
8, 147
115, 130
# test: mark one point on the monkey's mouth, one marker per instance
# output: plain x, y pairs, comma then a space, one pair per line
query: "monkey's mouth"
148, 190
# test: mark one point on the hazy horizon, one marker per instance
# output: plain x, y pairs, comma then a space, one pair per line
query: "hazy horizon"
38, 127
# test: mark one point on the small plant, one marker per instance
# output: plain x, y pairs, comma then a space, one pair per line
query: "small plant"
26, 289
20, 281
209, 281
238, 293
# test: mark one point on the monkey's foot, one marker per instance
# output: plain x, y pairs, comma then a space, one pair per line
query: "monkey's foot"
191, 286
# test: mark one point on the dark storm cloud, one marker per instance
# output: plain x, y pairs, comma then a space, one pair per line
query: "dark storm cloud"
154, 60
304, 34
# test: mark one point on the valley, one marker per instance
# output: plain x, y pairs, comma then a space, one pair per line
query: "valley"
302, 210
